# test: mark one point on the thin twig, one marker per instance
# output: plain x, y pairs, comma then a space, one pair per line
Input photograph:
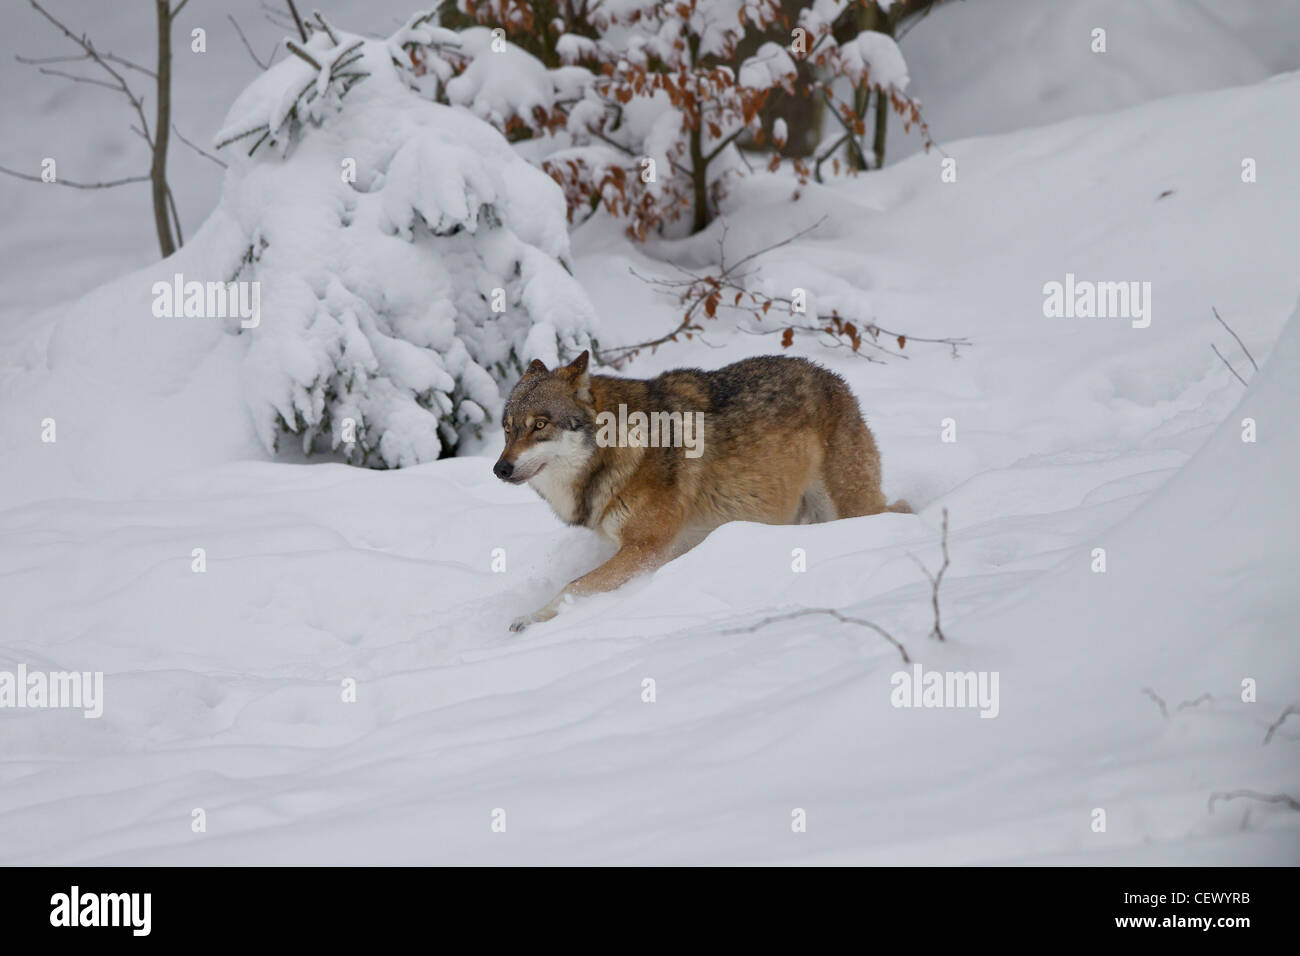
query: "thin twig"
833, 613
248, 46
908, 28
198, 149
1183, 705
696, 291
1160, 701
75, 185
1225, 362
45, 60
777, 245
849, 133
1273, 727
936, 579
102, 61
299, 52
1281, 798
1235, 336
297, 20
326, 27
79, 79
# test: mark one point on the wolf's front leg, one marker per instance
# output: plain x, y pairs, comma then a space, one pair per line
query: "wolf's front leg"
646, 554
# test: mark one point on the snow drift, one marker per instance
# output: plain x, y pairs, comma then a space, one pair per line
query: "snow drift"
224, 690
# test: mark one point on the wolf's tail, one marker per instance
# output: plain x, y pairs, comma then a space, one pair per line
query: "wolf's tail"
901, 507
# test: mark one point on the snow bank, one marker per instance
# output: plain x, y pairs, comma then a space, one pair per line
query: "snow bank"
224, 690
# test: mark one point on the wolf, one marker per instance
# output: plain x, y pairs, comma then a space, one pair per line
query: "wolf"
783, 442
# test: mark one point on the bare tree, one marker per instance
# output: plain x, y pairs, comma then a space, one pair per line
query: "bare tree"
156, 137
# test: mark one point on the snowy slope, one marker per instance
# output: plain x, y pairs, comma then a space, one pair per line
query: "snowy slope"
1031, 65
223, 688
991, 66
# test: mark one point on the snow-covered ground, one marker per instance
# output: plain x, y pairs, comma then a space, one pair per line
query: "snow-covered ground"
223, 689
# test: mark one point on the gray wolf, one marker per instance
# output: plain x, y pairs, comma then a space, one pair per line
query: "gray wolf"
783, 442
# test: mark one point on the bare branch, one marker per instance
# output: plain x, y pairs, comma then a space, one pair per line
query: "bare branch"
830, 341
130, 66
1184, 705
202, 152
81, 79
1281, 798
723, 145
316, 14
102, 60
248, 46
1160, 701
833, 613
777, 245
687, 323
1225, 362
46, 60
297, 21
724, 290
1273, 727
936, 579
609, 142
1235, 336
849, 133
817, 166
908, 28
75, 185
299, 52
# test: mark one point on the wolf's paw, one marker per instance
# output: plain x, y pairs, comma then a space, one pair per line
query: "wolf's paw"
537, 617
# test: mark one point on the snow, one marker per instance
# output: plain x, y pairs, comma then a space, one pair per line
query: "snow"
223, 689
770, 66
395, 284
1000, 65
875, 58
497, 86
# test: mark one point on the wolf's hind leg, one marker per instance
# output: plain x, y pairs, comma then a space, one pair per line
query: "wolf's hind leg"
815, 506
851, 471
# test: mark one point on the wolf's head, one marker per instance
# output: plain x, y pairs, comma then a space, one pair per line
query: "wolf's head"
549, 420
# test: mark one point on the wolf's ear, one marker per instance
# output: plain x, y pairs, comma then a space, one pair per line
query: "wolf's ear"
577, 372
536, 367
579, 365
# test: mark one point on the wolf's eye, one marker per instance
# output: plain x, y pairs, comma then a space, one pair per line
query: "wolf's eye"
541, 423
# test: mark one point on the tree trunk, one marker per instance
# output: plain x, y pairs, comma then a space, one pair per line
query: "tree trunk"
699, 180
162, 131
699, 166
882, 125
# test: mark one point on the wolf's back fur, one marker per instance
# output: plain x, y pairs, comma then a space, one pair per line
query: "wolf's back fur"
784, 442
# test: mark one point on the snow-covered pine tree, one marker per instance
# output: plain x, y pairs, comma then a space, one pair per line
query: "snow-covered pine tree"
409, 262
